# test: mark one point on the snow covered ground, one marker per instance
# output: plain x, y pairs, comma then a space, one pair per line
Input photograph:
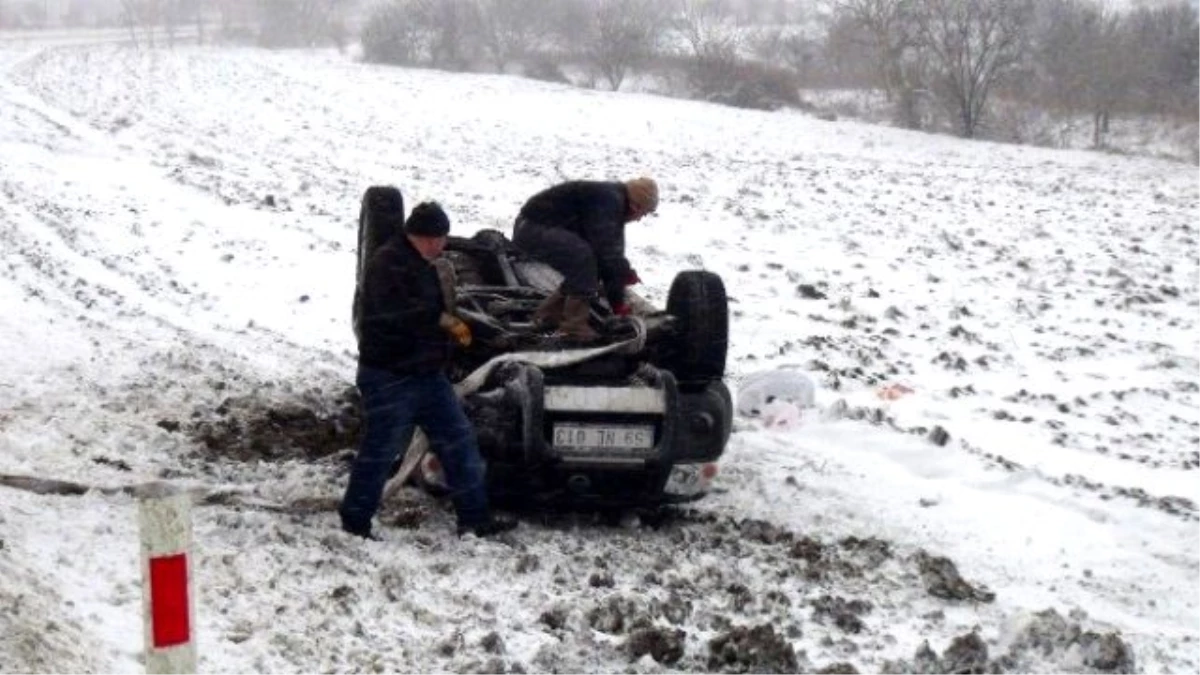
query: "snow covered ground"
1165, 137
178, 231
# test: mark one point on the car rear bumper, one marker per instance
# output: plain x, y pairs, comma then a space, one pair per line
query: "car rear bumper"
640, 443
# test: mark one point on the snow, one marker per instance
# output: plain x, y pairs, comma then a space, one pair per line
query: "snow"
178, 233
757, 390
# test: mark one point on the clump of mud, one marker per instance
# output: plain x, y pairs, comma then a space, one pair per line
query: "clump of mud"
1050, 636
851, 557
839, 668
845, 614
1043, 642
943, 580
306, 426
966, 654
616, 614
752, 650
664, 645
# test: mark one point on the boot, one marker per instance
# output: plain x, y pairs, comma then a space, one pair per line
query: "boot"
574, 327
360, 530
550, 313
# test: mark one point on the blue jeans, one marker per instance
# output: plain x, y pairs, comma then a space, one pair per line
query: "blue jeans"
392, 406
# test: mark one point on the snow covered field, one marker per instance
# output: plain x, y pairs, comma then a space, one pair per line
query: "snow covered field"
177, 235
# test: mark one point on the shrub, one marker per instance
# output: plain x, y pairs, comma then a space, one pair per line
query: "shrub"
743, 84
546, 70
389, 35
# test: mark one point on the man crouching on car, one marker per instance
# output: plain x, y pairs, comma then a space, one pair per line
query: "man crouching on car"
407, 337
578, 228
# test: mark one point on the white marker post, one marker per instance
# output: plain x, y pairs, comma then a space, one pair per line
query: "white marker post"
164, 517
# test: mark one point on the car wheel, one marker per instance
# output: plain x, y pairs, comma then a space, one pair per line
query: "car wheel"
492, 239
698, 303
382, 212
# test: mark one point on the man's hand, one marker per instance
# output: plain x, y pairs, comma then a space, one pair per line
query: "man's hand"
621, 309
457, 328
632, 279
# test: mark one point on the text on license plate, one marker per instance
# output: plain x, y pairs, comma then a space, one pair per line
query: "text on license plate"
603, 436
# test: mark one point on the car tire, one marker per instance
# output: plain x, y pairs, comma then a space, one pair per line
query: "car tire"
492, 239
381, 213
700, 307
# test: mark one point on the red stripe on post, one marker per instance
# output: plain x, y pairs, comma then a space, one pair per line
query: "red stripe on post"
169, 617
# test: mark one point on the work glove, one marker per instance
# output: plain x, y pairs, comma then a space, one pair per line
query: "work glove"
457, 328
631, 278
621, 309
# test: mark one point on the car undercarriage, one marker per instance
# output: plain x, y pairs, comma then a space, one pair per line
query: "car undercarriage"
639, 418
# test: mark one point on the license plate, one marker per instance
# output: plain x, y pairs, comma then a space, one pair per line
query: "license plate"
582, 437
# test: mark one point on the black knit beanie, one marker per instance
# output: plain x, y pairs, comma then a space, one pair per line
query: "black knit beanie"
427, 220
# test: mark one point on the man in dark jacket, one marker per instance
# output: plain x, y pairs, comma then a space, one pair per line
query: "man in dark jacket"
406, 340
578, 228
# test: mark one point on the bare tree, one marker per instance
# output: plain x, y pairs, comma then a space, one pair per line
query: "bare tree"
715, 42
970, 45
391, 34
451, 30
888, 30
848, 62
297, 23
1165, 42
620, 35
236, 16
566, 23
709, 28
510, 29
788, 47
141, 14
721, 69
440, 33
1085, 58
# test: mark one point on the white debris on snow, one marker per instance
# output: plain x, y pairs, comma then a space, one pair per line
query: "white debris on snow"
758, 390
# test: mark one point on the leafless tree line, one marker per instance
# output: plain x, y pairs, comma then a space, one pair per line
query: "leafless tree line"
952, 52
614, 36
1072, 55
939, 62
951, 58
1102, 63
701, 40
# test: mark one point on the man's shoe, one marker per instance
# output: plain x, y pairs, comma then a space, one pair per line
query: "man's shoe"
492, 526
363, 531
550, 312
574, 327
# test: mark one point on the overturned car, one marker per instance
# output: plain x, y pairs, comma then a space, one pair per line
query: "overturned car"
639, 419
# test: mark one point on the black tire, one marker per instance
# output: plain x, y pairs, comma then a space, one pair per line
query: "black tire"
381, 214
700, 307
493, 239
500, 247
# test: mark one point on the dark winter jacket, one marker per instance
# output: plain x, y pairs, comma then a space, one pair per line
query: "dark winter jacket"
596, 211
401, 304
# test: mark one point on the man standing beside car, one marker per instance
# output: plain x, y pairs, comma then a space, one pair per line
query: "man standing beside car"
578, 228
405, 344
